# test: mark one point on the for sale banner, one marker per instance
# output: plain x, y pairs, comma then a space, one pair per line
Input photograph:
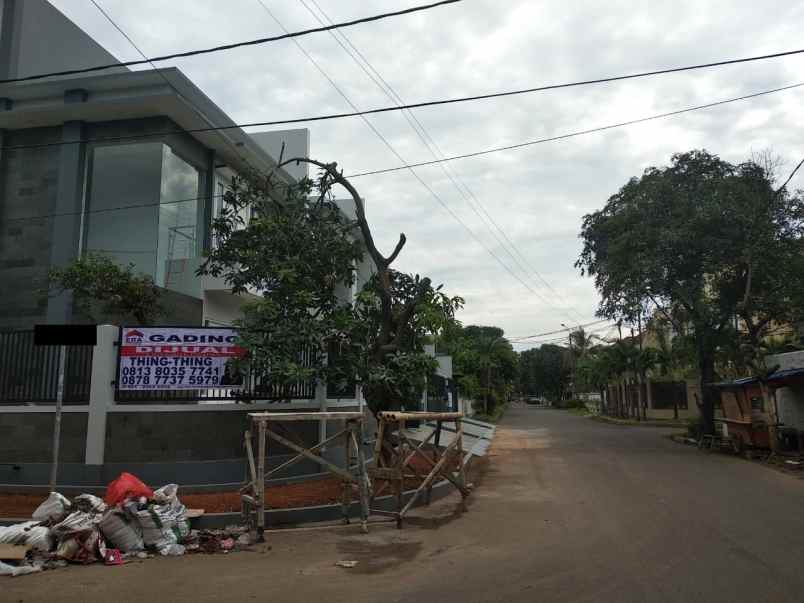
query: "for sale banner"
176, 358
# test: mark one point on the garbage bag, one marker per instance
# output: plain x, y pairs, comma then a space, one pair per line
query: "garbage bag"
54, 508
82, 547
122, 531
17, 533
17, 570
31, 533
89, 503
76, 522
164, 522
40, 538
126, 486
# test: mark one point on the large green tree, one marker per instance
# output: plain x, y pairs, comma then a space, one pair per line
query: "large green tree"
544, 371
703, 238
484, 360
104, 290
298, 253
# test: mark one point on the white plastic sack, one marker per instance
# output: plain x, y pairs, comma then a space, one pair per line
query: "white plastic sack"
89, 503
54, 508
165, 523
16, 534
31, 533
40, 538
78, 521
17, 570
82, 547
122, 531
166, 494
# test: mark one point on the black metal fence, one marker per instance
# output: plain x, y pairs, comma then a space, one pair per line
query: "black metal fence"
29, 374
667, 394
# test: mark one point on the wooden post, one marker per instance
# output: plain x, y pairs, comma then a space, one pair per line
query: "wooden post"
461, 464
346, 495
260, 485
435, 460
361, 475
399, 484
378, 462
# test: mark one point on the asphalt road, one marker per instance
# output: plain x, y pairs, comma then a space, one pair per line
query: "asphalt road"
567, 509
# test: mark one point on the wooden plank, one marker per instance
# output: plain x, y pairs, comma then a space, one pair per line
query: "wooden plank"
378, 460
313, 457
427, 481
346, 495
384, 472
362, 477
250, 457
193, 513
13, 552
304, 416
395, 415
298, 458
260, 482
437, 442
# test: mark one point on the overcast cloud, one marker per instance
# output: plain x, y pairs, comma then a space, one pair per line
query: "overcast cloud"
537, 195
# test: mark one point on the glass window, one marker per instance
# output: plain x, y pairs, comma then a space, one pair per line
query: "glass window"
143, 209
123, 213
178, 219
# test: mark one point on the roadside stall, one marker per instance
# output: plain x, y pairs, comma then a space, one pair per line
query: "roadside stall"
745, 419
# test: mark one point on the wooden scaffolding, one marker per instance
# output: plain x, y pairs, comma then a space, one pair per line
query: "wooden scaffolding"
395, 457
353, 473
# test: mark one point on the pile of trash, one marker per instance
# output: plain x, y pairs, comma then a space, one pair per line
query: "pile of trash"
132, 521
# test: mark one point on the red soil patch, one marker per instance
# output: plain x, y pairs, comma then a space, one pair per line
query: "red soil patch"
304, 494
309, 493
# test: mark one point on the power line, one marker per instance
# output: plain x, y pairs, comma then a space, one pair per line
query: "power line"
463, 189
222, 47
561, 339
108, 209
330, 116
582, 132
159, 72
564, 330
456, 157
395, 108
393, 150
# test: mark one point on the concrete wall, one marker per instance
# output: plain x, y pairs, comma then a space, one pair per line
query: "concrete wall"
37, 38
29, 180
186, 436
28, 437
297, 144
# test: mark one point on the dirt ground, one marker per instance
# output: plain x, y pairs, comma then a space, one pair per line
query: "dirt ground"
567, 510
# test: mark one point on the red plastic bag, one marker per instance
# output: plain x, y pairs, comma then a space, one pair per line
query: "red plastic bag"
126, 486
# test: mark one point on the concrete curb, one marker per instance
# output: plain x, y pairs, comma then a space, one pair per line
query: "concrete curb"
632, 423
297, 515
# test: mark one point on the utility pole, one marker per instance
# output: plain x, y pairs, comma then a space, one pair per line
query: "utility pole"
572, 361
488, 374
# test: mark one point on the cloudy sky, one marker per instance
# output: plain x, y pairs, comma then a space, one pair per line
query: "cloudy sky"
536, 196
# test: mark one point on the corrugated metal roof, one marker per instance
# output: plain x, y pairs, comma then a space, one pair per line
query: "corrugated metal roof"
477, 435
